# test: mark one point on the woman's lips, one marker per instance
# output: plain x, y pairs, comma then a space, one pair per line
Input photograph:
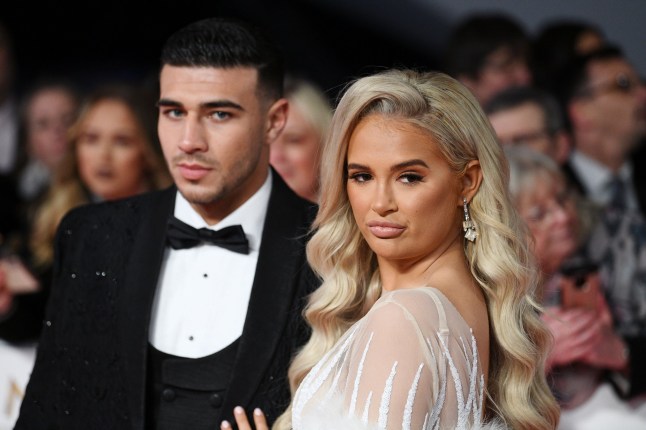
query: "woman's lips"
385, 230
193, 172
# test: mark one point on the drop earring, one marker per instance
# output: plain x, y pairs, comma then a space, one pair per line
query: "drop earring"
468, 225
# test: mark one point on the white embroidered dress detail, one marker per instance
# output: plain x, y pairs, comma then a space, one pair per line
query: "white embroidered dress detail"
414, 353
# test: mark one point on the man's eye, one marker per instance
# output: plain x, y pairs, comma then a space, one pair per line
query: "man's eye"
173, 113
220, 116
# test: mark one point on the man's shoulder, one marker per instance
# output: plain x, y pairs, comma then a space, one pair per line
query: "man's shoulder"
286, 203
125, 210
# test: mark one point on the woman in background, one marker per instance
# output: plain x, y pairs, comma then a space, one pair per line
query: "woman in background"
587, 350
425, 317
296, 154
113, 154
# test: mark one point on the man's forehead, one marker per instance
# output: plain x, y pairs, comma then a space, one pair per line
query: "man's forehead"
247, 76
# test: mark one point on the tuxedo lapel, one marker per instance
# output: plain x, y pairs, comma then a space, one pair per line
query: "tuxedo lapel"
272, 297
138, 294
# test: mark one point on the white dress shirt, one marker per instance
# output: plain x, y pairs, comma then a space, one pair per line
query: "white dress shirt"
203, 292
595, 178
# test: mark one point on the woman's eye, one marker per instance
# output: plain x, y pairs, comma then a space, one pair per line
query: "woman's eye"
409, 178
360, 177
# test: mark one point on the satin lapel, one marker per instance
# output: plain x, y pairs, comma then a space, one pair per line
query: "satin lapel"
138, 294
272, 293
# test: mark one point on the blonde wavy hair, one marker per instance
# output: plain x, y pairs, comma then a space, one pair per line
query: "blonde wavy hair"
500, 260
67, 190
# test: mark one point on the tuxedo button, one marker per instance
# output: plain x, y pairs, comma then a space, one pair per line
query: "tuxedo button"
215, 400
168, 394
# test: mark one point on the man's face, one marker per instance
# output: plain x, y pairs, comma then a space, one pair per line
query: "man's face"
214, 130
524, 125
501, 70
613, 108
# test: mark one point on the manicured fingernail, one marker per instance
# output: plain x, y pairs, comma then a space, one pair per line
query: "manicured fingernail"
225, 425
257, 412
238, 410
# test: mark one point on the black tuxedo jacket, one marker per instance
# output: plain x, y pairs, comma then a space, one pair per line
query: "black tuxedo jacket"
90, 372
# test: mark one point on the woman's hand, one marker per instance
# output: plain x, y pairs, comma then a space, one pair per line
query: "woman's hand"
243, 423
575, 332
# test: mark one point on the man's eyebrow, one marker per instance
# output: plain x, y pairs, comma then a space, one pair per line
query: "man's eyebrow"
215, 104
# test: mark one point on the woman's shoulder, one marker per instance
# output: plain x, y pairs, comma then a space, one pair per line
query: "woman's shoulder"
425, 307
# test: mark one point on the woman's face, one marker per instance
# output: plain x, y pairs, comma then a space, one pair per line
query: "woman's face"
405, 198
295, 154
110, 151
550, 214
49, 115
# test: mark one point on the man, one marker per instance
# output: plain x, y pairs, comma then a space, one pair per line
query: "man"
606, 105
489, 53
142, 330
529, 117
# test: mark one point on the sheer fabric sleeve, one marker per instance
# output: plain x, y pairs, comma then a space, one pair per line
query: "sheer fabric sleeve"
411, 363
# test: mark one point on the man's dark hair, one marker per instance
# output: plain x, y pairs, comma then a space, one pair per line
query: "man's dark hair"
226, 43
518, 96
479, 36
574, 79
556, 45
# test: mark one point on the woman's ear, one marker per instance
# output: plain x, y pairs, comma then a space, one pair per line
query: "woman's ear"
471, 180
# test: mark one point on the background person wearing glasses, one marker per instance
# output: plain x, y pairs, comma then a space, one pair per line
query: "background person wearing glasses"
605, 101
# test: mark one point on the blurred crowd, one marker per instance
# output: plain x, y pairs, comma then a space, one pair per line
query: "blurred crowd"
566, 103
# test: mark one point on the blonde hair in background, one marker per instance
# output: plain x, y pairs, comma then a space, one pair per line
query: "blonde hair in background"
311, 102
500, 259
67, 191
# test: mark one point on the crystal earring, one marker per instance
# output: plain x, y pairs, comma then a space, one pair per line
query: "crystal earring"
468, 225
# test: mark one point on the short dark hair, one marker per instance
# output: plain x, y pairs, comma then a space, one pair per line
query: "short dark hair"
518, 96
474, 39
556, 45
574, 78
227, 43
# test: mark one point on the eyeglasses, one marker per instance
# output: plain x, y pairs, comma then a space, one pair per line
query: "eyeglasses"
622, 83
541, 215
527, 138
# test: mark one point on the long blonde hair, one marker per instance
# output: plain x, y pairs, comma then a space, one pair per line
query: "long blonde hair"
67, 190
500, 260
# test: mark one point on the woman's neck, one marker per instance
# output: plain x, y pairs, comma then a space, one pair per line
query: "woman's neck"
413, 273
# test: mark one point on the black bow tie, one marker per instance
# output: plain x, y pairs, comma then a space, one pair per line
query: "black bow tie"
182, 236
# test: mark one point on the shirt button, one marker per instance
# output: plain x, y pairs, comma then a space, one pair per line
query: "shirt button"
215, 400
168, 394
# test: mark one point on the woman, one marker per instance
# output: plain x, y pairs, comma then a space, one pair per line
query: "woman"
425, 317
587, 349
296, 152
113, 154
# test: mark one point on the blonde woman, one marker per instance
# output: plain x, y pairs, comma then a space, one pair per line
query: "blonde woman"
296, 153
426, 316
114, 154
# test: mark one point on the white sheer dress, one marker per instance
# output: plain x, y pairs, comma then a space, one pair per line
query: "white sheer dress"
410, 363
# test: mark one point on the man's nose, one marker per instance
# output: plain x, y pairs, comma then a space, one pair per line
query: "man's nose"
193, 136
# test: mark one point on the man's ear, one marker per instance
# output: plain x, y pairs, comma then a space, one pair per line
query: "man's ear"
471, 180
276, 119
